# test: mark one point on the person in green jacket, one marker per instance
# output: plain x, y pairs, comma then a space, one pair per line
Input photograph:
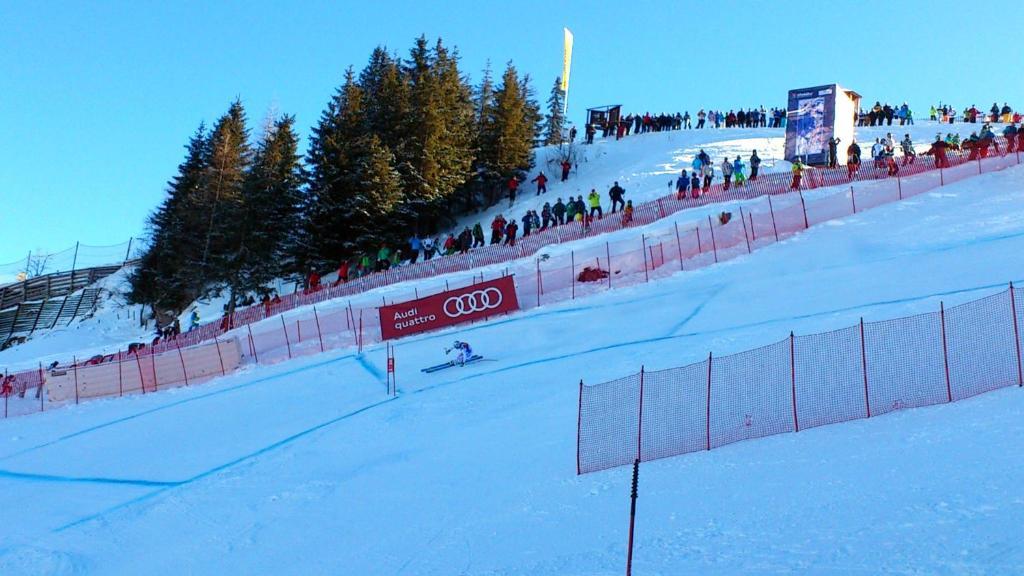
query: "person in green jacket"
478, 235
383, 258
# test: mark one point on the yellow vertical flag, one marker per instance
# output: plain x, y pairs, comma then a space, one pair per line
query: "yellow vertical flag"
566, 64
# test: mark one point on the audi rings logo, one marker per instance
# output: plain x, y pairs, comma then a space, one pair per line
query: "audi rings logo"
475, 301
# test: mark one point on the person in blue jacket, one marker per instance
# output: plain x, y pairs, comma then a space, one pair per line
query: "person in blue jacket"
737, 172
682, 184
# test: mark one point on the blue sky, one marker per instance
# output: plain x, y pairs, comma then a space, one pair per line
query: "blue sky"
97, 99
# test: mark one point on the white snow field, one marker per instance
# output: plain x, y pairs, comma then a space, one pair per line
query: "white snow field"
307, 467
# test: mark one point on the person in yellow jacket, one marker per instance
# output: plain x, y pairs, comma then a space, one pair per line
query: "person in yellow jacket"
627, 213
798, 171
594, 199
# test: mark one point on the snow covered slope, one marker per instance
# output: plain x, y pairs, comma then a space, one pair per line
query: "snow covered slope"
308, 468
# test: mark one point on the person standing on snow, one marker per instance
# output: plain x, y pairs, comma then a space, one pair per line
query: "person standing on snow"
833, 156
709, 174
558, 212
464, 350
615, 193
755, 163
566, 166
194, 320
798, 171
694, 184
513, 186
852, 160
510, 232
682, 185
907, 147
497, 229
594, 199
726, 173
541, 181
737, 172
478, 235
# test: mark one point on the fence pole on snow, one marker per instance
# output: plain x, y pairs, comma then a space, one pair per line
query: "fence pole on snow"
714, 246
640, 419
74, 361
538, 280
679, 248
864, 367
899, 187
319, 335
707, 415
700, 248
804, 206
643, 246
792, 375
7, 395
945, 351
1016, 335
120, 377
853, 199
156, 381
743, 219
608, 255
632, 516
360, 330
142, 379
579, 428
220, 357
181, 357
252, 345
41, 391
572, 272
772, 210
287, 342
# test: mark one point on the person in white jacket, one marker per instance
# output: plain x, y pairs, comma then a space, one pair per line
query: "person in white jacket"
726, 172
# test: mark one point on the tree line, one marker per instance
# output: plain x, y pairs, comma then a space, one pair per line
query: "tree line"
401, 148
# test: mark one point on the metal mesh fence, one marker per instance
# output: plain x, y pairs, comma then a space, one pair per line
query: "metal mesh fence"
861, 371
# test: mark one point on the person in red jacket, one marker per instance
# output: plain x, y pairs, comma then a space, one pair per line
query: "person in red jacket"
541, 181
513, 185
566, 166
510, 232
342, 273
497, 229
938, 150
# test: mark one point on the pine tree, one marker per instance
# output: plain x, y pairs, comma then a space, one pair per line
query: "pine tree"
163, 278
332, 160
222, 197
270, 212
380, 192
513, 126
533, 113
440, 147
554, 121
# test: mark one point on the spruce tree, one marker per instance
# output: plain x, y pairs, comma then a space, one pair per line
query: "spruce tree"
513, 126
163, 278
223, 199
332, 160
554, 121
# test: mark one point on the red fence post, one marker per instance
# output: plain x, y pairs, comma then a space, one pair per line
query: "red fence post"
744, 221
707, 415
572, 272
120, 376
538, 281
579, 428
864, 366
74, 363
220, 357
804, 206
252, 345
286, 341
945, 351
142, 379
679, 247
42, 391
772, 210
184, 371
1016, 334
792, 375
643, 246
608, 254
714, 247
319, 334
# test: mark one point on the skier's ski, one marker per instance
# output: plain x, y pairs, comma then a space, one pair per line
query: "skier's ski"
439, 367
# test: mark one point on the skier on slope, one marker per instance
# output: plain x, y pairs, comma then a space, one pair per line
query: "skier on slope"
464, 350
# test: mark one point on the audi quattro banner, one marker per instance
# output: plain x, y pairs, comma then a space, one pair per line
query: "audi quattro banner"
449, 308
